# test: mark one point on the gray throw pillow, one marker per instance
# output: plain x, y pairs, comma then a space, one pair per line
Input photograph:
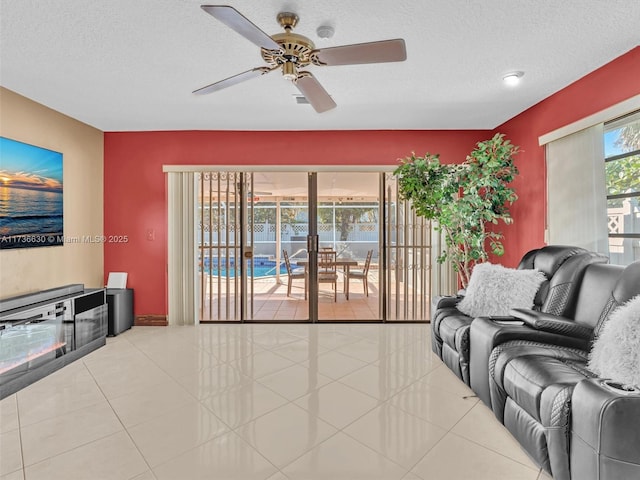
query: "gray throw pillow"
493, 290
616, 351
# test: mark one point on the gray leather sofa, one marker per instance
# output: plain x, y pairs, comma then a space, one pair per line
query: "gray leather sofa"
563, 267
573, 424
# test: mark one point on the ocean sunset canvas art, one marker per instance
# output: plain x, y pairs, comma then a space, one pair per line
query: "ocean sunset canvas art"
31, 200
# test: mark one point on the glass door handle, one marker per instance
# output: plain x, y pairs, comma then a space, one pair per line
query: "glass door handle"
312, 243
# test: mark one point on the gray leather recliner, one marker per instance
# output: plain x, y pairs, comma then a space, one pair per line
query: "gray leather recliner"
445, 306
547, 398
561, 294
563, 267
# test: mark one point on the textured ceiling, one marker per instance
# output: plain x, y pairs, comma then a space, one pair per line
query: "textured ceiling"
132, 64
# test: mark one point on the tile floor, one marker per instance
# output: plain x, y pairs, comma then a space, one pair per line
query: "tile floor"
263, 402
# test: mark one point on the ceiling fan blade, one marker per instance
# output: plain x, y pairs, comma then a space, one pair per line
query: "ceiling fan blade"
227, 82
241, 24
314, 92
371, 52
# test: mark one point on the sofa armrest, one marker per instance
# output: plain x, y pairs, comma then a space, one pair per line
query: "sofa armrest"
486, 334
441, 304
552, 323
604, 431
447, 301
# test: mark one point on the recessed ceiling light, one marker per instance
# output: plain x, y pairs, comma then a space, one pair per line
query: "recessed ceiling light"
512, 78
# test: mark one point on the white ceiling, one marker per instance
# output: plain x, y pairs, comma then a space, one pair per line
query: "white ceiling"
124, 65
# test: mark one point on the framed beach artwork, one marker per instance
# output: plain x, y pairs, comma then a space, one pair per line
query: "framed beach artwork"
30, 196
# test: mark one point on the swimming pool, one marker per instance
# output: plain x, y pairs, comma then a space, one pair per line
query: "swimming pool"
263, 268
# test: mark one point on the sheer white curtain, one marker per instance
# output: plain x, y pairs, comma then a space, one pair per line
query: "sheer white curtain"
576, 191
181, 248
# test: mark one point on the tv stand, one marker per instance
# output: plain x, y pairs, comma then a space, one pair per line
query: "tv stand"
44, 331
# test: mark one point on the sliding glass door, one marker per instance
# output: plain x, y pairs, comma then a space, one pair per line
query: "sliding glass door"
348, 232
224, 245
309, 246
408, 258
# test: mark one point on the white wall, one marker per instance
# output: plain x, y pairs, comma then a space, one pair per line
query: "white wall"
26, 270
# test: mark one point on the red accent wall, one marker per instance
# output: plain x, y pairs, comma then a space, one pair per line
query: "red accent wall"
135, 186
613, 83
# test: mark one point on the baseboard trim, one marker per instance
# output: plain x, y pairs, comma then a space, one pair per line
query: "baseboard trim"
150, 321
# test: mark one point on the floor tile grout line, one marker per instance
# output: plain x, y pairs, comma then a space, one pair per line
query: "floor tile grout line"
234, 428
119, 419
408, 413
229, 432
336, 433
229, 428
22, 427
492, 450
473, 441
447, 432
407, 470
168, 460
478, 402
280, 469
130, 392
77, 447
166, 373
338, 429
48, 418
24, 472
485, 446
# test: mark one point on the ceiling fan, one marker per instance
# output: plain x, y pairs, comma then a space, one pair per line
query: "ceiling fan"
291, 52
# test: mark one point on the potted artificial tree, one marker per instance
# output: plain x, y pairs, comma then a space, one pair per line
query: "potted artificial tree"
463, 199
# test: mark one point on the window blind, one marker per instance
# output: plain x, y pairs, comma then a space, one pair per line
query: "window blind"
576, 195
181, 248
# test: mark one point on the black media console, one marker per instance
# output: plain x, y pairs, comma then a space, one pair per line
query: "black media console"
44, 331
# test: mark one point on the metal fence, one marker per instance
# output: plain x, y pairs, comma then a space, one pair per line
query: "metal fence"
624, 220
266, 232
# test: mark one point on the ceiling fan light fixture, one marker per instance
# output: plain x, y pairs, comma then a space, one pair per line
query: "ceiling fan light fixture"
289, 71
512, 78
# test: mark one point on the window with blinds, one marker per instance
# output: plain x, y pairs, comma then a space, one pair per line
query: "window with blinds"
576, 209
622, 177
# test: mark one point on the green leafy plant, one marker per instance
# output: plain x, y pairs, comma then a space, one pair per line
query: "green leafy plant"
464, 199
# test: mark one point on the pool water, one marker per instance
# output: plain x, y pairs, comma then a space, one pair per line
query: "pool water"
258, 271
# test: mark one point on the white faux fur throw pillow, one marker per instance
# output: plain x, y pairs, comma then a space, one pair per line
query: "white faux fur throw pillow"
493, 290
616, 351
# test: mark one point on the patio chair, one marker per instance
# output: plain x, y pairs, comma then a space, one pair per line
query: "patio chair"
327, 272
362, 274
294, 274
